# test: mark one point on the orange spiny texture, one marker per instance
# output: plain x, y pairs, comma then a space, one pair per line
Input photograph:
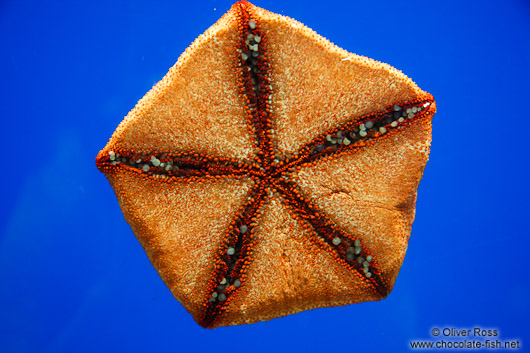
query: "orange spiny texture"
271, 172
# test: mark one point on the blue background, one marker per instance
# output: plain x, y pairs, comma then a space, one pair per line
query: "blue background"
73, 277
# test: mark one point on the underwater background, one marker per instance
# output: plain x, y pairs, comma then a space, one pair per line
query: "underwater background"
73, 278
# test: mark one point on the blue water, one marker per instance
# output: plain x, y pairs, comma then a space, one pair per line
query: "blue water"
73, 277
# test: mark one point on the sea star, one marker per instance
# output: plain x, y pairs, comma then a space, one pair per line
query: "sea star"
271, 172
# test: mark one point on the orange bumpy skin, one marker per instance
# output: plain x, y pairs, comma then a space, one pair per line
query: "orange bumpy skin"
272, 172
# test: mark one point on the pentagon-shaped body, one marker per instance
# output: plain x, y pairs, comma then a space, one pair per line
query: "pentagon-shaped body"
271, 172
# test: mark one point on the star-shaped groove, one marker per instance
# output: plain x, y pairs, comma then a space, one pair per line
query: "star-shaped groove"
273, 173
